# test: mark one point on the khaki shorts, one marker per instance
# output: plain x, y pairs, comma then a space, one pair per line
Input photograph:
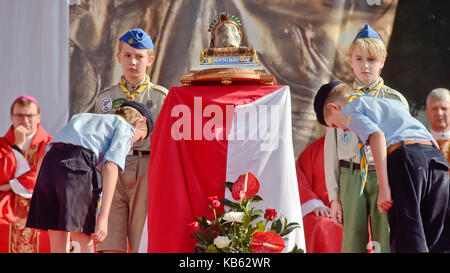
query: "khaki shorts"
129, 206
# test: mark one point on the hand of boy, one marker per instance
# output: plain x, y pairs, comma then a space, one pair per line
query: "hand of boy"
101, 230
384, 200
336, 212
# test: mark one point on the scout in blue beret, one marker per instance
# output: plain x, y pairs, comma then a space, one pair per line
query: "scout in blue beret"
129, 207
135, 54
367, 32
137, 38
346, 162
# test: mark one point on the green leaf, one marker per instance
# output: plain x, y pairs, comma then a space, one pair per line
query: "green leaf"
211, 249
287, 231
250, 232
199, 236
278, 226
292, 224
200, 245
259, 211
228, 185
209, 235
256, 198
272, 226
230, 204
254, 217
246, 221
260, 226
203, 222
296, 250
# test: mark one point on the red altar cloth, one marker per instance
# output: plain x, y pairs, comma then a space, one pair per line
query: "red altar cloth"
183, 173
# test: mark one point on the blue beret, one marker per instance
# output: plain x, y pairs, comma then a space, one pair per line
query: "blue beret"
144, 111
137, 38
320, 98
367, 32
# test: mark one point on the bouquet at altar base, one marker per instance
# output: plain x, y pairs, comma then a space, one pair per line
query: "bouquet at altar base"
241, 229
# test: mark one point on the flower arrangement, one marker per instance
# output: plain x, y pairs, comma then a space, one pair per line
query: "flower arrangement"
235, 230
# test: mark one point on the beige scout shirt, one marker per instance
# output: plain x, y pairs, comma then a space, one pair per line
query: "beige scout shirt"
109, 99
337, 148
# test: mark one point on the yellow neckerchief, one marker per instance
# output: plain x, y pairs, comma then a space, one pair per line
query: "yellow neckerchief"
368, 90
131, 94
362, 152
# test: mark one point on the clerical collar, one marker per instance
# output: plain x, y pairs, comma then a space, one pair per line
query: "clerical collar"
440, 135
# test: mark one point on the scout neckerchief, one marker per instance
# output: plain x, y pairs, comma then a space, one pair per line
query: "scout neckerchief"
362, 152
131, 94
367, 90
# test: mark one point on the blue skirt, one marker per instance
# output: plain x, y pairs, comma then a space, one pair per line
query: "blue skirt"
67, 191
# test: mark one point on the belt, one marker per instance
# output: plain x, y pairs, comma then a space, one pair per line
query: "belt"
137, 152
394, 147
67, 145
346, 164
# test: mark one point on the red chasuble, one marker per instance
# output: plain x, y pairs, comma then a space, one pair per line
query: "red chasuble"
14, 204
321, 234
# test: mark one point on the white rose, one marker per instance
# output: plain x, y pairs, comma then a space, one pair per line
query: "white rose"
233, 216
222, 241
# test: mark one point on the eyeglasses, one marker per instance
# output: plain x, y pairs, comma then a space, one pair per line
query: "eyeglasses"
21, 116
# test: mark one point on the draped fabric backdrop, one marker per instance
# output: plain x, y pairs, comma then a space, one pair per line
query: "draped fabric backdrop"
303, 43
34, 58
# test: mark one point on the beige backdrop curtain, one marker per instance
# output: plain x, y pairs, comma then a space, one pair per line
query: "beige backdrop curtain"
34, 58
303, 43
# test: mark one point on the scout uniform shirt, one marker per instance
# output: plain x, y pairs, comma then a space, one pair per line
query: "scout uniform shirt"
110, 99
109, 137
368, 115
337, 147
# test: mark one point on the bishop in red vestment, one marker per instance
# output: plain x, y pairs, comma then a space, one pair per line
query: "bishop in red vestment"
18, 164
321, 234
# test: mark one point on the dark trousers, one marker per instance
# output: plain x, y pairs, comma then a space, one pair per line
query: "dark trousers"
419, 218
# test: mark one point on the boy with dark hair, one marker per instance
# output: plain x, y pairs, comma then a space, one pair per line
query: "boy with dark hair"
67, 189
412, 172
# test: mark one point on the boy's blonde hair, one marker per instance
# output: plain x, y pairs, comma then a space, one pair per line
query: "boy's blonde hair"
372, 47
121, 43
131, 115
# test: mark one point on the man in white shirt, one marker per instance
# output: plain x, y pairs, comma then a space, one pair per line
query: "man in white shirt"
438, 114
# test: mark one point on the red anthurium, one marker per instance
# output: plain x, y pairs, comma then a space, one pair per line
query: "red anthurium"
214, 201
246, 186
270, 214
267, 242
194, 226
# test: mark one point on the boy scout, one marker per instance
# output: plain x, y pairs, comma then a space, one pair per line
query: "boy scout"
413, 182
352, 205
129, 206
